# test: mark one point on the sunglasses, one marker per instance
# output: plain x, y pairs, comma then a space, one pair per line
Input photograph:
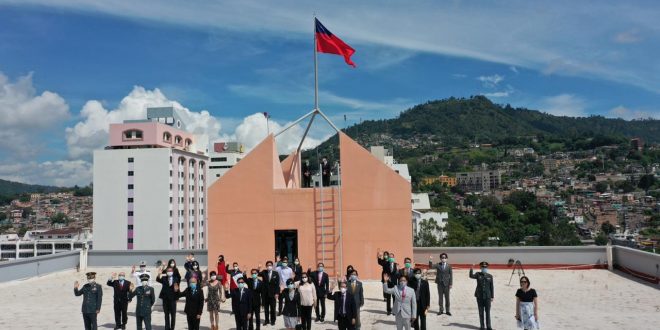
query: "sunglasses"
524, 282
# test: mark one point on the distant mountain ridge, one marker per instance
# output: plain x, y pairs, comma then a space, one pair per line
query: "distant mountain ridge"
8, 188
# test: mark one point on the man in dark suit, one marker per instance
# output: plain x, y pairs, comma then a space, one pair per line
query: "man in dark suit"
345, 308
306, 174
321, 284
485, 293
241, 304
444, 279
325, 172
169, 296
257, 288
390, 276
408, 272
423, 295
121, 288
92, 294
194, 303
271, 292
356, 290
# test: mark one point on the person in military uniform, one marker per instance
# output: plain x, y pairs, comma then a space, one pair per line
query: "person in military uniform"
485, 293
146, 298
92, 293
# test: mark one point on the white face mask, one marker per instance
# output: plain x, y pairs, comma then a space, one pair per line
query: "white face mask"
343, 290
213, 277
142, 268
171, 264
144, 283
418, 276
270, 268
91, 280
195, 267
170, 273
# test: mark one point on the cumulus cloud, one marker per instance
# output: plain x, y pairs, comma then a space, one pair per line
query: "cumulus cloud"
27, 116
628, 37
490, 81
629, 114
92, 132
56, 173
567, 105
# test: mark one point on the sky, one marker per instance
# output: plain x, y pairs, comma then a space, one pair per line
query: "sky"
69, 68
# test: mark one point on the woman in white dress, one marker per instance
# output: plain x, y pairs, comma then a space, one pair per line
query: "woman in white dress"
527, 306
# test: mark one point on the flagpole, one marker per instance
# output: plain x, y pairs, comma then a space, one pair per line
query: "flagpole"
316, 71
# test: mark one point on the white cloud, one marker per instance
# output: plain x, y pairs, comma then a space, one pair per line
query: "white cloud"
513, 69
490, 81
496, 94
26, 117
92, 132
628, 37
564, 105
629, 114
56, 173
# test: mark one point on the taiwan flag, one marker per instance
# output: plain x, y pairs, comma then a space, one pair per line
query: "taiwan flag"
326, 42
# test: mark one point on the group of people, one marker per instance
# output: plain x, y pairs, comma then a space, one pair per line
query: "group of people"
285, 289
407, 293
307, 173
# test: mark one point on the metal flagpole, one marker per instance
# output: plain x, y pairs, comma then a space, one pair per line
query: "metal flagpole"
316, 109
316, 71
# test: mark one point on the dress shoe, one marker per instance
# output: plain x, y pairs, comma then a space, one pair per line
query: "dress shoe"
448, 313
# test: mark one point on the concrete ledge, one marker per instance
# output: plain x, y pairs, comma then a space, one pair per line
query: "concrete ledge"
641, 264
110, 258
36, 266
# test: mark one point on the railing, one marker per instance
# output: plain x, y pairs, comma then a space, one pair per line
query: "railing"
118, 258
31, 267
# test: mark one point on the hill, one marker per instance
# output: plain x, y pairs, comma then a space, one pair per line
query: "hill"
458, 122
8, 188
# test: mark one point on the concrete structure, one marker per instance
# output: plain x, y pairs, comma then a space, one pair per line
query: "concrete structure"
149, 186
479, 181
44, 242
222, 157
439, 217
444, 180
258, 211
420, 201
385, 156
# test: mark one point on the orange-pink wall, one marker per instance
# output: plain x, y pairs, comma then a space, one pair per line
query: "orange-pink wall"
252, 200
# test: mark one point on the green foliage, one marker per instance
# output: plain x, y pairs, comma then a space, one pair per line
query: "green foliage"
601, 239
26, 212
646, 181
3, 216
607, 228
59, 218
55, 201
10, 188
84, 191
457, 234
427, 233
601, 187
24, 198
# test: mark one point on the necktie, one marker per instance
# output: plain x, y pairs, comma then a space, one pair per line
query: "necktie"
353, 287
403, 293
241, 298
269, 274
343, 307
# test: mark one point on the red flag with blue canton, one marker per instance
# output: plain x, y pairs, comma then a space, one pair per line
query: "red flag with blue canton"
326, 42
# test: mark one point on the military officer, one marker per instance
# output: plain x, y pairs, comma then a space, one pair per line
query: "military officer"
485, 293
143, 270
92, 293
146, 298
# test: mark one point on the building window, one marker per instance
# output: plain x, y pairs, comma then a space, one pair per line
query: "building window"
171, 200
170, 213
130, 187
177, 140
132, 135
130, 173
170, 186
130, 241
170, 227
130, 159
130, 213
188, 142
170, 173
130, 199
167, 137
219, 159
170, 240
130, 227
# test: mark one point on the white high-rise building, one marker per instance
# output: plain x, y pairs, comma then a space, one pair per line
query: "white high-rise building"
149, 186
223, 157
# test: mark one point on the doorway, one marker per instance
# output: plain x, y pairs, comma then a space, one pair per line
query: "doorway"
286, 244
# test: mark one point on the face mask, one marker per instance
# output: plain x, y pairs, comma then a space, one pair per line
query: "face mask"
241, 285
443, 260
284, 264
402, 284
290, 286
407, 265
386, 257
170, 274
391, 259
192, 259
144, 283
121, 278
195, 267
353, 278
171, 264
297, 262
254, 276
270, 268
484, 270
321, 269
193, 285
213, 277
343, 290
143, 268
304, 279
90, 281
418, 276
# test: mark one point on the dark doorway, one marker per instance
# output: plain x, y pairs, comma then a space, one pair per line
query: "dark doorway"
286, 244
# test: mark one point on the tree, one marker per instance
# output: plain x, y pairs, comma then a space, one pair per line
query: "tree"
3, 216
59, 218
601, 239
24, 198
646, 181
457, 235
26, 212
601, 187
428, 233
607, 228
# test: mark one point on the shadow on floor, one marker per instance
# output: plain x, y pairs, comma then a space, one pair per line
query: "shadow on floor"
384, 322
463, 326
375, 311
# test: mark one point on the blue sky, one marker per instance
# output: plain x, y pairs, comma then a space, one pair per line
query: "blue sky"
235, 59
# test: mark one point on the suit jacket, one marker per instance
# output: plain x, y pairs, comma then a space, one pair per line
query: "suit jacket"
424, 296
146, 299
194, 302
444, 276
321, 287
167, 292
273, 285
298, 271
351, 308
485, 288
121, 292
241, 305
409, 274
93, 296
391, 269
291, 306
257, 292
405, 302
357, 293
